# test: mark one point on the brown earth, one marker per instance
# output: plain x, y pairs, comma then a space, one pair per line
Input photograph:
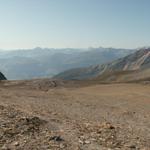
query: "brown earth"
55, 115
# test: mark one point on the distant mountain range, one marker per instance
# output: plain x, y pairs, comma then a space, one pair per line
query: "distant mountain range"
135, 66
38, 62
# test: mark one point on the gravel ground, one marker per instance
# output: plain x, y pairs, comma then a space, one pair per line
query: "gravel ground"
98, 117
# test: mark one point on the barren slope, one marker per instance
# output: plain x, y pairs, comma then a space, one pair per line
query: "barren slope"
138, 61
125, 76
98, 117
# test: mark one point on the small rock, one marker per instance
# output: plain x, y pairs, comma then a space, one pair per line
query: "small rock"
62, 146
133, 147
16, 143
81, 142
87, 142
56, 138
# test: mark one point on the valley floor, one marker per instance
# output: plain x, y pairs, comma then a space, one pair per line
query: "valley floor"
97, 117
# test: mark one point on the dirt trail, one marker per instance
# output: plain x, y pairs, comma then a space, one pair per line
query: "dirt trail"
98, 117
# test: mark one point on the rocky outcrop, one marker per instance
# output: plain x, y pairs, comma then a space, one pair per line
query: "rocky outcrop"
2, 77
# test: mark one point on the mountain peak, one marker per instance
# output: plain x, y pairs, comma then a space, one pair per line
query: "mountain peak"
143, 51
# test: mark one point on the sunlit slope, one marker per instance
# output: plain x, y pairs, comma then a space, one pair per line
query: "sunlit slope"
132, 67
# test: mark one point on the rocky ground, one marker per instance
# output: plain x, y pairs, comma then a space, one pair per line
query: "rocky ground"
98, 117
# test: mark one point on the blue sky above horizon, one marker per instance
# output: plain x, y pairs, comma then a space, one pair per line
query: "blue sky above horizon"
74, 23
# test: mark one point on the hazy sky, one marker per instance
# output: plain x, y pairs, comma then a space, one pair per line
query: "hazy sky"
74, 23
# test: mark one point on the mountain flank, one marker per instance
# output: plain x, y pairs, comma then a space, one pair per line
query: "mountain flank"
132, 67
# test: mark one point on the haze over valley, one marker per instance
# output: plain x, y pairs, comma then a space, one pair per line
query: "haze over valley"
46, 62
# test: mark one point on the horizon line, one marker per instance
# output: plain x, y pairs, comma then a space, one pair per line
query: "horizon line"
82, 48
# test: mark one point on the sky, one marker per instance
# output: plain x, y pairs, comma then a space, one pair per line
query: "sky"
74, 23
